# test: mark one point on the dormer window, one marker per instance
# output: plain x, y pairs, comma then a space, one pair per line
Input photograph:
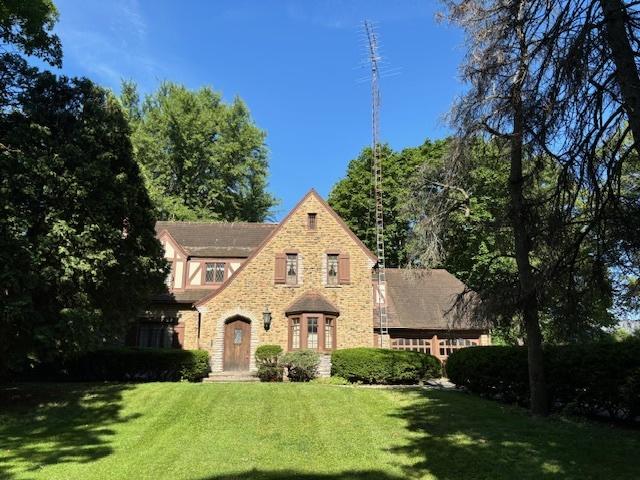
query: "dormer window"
214, 272
312, 219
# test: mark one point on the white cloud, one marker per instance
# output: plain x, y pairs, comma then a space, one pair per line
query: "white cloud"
107, 41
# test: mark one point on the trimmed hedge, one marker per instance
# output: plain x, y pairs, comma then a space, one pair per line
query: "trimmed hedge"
137, 364
267, 360
375, 365
584, 379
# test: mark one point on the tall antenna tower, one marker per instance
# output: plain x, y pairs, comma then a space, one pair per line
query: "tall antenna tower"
376, 167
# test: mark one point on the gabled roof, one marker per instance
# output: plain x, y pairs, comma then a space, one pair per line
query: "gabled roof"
425, 299
311, 302
217, 239
255, 252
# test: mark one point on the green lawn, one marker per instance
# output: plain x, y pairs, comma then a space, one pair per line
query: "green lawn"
270, 431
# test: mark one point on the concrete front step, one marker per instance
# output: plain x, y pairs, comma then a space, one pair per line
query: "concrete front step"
231, 377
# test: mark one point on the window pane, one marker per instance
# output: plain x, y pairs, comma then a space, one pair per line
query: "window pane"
332, 269
219, 272
312, 332
328, 333
292, 269
209, 272
155, 336
237, 336
311, 221
295, 333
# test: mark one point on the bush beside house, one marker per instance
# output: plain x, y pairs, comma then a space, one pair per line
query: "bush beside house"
584, 379
132, 364
268, 363
379, 366
302, 366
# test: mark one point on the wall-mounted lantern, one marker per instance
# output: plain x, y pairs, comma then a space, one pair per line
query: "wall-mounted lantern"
266, 318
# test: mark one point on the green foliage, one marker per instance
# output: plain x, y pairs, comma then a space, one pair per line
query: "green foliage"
267, 361
202, 159
477, 247
375, 365
78, 252
333, 380
26, 27
25, 30
352, 197
589, 378
134, 364
302, 365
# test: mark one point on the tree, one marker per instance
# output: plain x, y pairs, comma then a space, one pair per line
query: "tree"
25, 29
352, 197
78, 253
201, 158
474, 243
544, 90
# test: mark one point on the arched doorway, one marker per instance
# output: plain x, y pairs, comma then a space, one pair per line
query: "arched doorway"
237, 344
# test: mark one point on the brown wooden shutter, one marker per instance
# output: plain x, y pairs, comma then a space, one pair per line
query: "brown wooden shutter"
344, 269
281, 268
178, 335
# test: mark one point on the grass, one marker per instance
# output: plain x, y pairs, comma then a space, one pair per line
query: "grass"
269, 431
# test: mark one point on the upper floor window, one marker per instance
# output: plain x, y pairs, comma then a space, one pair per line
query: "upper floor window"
332, 269
292, 269
312, 221
214, 272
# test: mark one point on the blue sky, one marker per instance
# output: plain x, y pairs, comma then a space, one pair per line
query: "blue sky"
299, 66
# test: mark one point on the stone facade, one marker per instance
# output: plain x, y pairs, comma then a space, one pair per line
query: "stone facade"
252, 288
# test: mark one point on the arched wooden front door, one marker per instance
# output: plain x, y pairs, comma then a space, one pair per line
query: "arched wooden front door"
237, 340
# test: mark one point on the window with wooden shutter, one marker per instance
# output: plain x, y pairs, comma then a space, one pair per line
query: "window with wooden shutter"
344, 269
280, 270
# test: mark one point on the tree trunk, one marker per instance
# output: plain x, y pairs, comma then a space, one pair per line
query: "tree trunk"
522, 241
615, 34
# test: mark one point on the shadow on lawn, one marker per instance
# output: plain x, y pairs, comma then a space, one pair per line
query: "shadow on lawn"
52, 423
458, 436
292, 474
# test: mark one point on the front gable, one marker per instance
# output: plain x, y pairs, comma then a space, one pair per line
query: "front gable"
330, 230
255, 288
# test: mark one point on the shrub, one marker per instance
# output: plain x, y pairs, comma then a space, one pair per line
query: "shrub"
267, 361
375, 365
586, 379
136, 364
301, 366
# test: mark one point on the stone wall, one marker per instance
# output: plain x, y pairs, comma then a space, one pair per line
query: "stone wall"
252, 289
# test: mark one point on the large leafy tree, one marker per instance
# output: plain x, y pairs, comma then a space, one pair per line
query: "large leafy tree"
201, 158
475, 244
352, 197
78, 253
551, 85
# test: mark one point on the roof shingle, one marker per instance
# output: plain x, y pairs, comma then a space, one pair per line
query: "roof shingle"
312, 303
425, 299
217, 239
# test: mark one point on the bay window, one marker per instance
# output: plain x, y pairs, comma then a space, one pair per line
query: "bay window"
314, 331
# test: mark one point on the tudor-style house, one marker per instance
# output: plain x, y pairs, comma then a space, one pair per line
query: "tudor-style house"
305, 283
